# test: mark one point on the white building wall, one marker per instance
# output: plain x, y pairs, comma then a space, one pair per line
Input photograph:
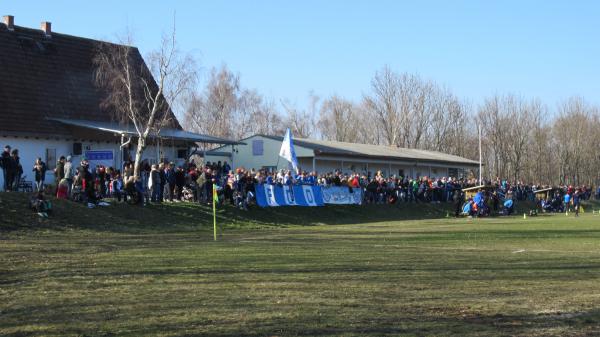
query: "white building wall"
30, 149
363, 166
217, 158
243, 155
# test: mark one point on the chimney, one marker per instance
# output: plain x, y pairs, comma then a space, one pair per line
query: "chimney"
9, 21
47, 28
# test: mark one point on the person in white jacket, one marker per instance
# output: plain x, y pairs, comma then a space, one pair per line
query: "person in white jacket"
154, 184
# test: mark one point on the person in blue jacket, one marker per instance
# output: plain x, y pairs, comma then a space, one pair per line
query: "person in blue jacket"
567, 202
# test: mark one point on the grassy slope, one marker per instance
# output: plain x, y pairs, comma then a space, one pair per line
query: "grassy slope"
154, 271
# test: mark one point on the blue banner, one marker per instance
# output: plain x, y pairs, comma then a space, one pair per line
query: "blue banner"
297, 195
342, 195
99, 155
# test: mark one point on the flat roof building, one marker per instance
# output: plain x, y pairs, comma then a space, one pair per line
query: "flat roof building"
262, 151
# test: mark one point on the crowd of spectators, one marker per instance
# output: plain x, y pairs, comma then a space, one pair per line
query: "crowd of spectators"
10, 163
168, 182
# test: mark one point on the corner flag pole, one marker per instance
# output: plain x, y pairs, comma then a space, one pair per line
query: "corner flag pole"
214, 202
479, 130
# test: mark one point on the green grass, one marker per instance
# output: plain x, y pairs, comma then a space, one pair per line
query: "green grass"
350, 271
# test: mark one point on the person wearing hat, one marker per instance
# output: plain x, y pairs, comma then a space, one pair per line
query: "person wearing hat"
5, 166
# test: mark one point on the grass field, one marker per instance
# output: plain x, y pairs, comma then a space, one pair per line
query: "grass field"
350, 271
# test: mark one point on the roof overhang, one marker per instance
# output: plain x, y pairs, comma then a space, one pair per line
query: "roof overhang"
397, 158
125, 130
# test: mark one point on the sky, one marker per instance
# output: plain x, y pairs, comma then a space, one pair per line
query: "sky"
285, 49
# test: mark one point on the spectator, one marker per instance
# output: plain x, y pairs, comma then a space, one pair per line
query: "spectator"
5, 165
226, 167
576, 201
170, 181
87, 182
154, 184
163, 182
117, 186
68, 173
567, 201
59, 171
40, 174
16, 170
179, 182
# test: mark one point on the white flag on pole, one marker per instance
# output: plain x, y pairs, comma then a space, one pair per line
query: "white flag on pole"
287, 151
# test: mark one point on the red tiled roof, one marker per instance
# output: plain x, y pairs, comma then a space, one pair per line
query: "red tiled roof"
43, 78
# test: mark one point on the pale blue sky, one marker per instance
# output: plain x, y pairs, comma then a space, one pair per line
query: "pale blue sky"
544, 49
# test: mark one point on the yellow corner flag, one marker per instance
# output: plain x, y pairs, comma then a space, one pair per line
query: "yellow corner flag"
214, 202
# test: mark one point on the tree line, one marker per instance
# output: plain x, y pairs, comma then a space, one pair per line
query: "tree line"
521, 139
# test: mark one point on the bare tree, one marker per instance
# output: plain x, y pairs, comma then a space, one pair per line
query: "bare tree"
302, 121
139, 94
214, 109
403, 106
385, 104
575, 131
264, 117
338, 120
224, 108
493, 122
519, 142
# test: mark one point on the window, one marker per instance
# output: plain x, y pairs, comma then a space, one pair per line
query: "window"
401, 173
257, 147
453, 172
182, 153
51, 159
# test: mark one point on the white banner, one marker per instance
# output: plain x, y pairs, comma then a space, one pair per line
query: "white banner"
342, 195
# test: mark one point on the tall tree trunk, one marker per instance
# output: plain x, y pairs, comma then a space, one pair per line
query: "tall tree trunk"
141, 145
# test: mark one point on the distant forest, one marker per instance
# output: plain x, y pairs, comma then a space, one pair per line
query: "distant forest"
521, 140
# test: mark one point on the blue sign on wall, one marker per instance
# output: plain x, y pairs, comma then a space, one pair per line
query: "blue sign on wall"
98, 155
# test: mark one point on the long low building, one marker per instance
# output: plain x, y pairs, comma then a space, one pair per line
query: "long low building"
262, 151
